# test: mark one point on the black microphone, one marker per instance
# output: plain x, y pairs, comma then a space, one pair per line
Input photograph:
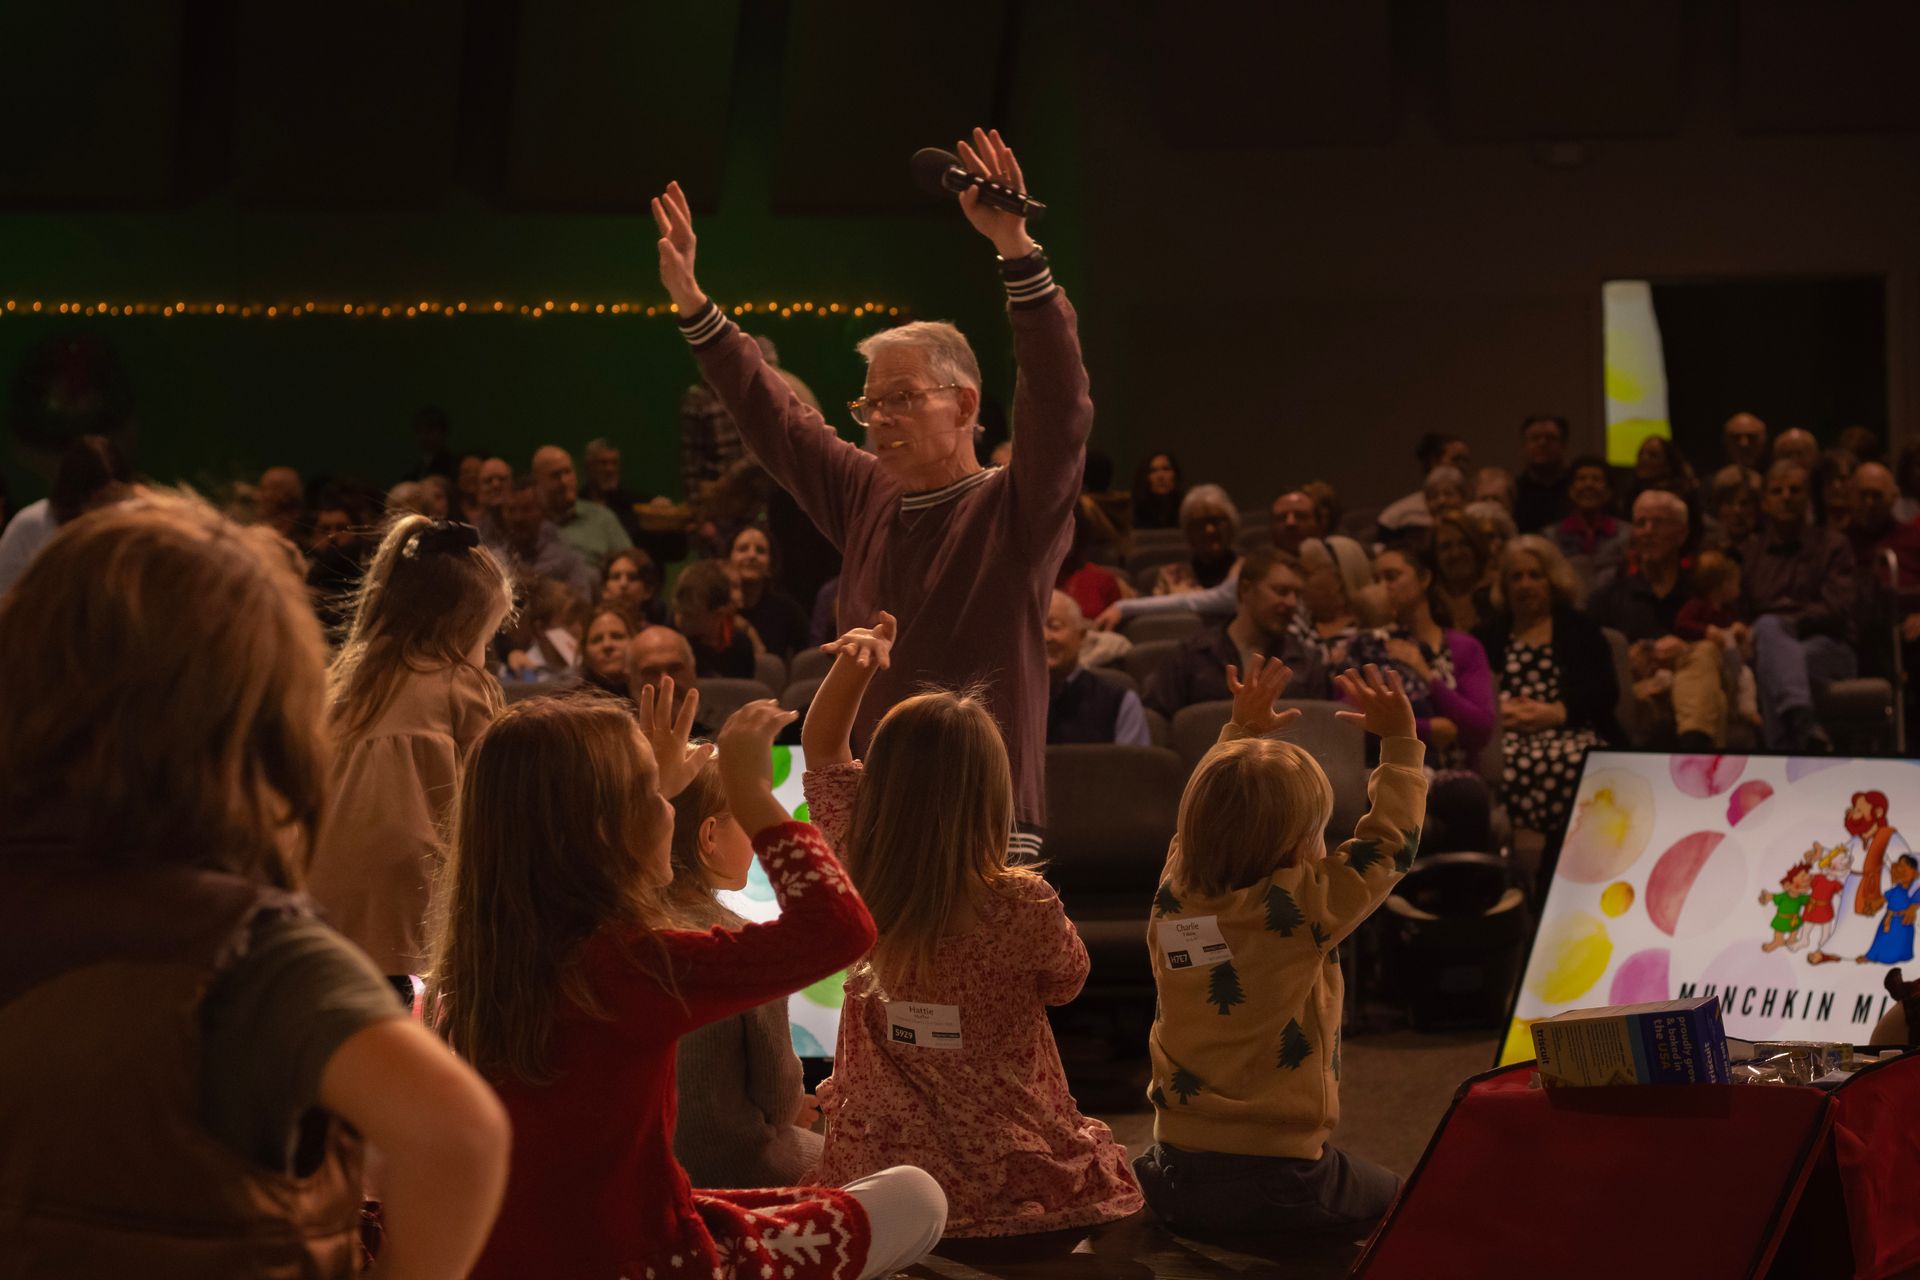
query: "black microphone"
938, 171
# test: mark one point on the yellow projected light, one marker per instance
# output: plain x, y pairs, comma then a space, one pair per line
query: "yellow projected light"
1636, 370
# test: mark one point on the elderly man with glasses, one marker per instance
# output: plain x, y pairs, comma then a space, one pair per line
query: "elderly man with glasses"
965, 557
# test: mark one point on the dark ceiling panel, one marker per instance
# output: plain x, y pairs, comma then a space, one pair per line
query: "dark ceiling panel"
611, 99
351, 103
1540, 70
866, 85
1295, 73
89, 102
1846, 68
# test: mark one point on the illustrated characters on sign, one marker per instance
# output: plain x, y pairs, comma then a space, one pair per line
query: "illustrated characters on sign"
1813, 902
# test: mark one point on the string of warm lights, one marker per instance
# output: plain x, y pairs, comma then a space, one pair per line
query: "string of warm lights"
422, 309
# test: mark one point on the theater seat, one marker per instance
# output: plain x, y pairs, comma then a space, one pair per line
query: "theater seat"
720, 697
770, 669
1151, 555
1144, 659
808, 664
1115, 676
798, 695
1110, 815
1858, 714
1626, 707
1162, 626
1340, 747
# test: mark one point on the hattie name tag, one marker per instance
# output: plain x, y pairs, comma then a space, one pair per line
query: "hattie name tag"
1191, 943
924, 1026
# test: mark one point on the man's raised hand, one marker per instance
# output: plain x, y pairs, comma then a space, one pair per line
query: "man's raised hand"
1253, 699
992, 159
677, 241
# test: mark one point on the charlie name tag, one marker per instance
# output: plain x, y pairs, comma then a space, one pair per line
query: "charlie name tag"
924, 1026
1193, 943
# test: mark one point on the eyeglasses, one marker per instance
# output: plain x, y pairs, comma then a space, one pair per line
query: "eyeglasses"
895, 405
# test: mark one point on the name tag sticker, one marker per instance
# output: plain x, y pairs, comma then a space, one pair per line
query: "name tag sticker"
1194, 943
924, 1026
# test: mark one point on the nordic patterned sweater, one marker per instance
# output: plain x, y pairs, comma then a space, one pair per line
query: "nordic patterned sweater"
1246, 1047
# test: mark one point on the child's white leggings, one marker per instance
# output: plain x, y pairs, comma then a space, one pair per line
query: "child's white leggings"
906, 1211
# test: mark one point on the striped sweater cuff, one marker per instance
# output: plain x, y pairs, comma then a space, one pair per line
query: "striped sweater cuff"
706, 327
1029, 280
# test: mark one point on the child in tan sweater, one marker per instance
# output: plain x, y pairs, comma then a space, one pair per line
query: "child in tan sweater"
1246, 926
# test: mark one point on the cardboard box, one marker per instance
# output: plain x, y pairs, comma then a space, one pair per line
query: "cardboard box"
1669, 1042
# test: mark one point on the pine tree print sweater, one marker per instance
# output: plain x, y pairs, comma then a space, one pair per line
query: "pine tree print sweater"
1246, 1048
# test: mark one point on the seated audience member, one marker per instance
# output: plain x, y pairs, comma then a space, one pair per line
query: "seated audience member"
1556, 680
1659, 464
1796, 444
1244, 1105
1463, 569
1338, 597
193, 1059
603, 655
1642, 601
528, 544
1269, 594
1081, 707
775, 616
1494, 484
1733, 509
431, 429
1445, 491
406, 698
1212, 523
496, 479
408, 498
603, 486
1873, 528
437, 493
1862, 443
710, 443
336, 556
543, 639
1714, 612
1540, 490
279, 501
1832, 489
1445, 672
744, 1116
924, 824
1589, 537
1094, 587
1326, 504
1158, 491
1799, 590
92, 473
466, 489
1295, 517
588, 527
1495, 523
1743, 441
704, 612
560, 977
1433, 450
661, 653
633, 584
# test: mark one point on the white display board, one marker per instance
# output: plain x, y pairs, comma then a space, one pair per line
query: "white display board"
1677, 868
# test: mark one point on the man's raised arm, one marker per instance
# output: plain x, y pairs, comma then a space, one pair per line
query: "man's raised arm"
826, 475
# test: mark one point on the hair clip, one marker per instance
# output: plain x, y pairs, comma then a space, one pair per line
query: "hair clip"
444, 537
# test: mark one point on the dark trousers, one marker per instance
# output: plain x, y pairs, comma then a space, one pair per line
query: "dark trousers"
1202, 1191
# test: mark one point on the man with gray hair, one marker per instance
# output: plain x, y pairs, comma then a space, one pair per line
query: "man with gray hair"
965, 557
589, 528
1083, 707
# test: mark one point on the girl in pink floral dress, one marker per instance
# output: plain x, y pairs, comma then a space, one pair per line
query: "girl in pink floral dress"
945, 1057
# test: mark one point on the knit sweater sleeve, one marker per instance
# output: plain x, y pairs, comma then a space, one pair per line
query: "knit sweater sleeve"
1470, 703
829, 477
823, 927
1339, 891
1054, 414
830, 792
1220, 600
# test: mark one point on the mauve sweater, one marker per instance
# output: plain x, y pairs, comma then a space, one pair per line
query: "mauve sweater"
967, 570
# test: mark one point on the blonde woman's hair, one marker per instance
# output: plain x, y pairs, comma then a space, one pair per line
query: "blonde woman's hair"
168, 685
930, 826
555, 799
1252, 806
1561, 579
425, 601
689, 899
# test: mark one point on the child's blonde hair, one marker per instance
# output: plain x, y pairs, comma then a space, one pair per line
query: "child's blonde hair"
1712, 571
689, 898
426, 599
555, 798
169, 677
930, 826
1252, 806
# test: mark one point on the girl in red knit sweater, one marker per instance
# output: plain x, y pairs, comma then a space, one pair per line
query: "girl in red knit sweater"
946, 1060
554, 974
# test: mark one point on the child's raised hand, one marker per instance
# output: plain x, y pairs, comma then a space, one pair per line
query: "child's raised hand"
1382, 701
870, 647
746, 763
1253, 699
676, 760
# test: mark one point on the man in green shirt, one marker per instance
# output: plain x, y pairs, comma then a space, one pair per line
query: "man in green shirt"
587, 527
